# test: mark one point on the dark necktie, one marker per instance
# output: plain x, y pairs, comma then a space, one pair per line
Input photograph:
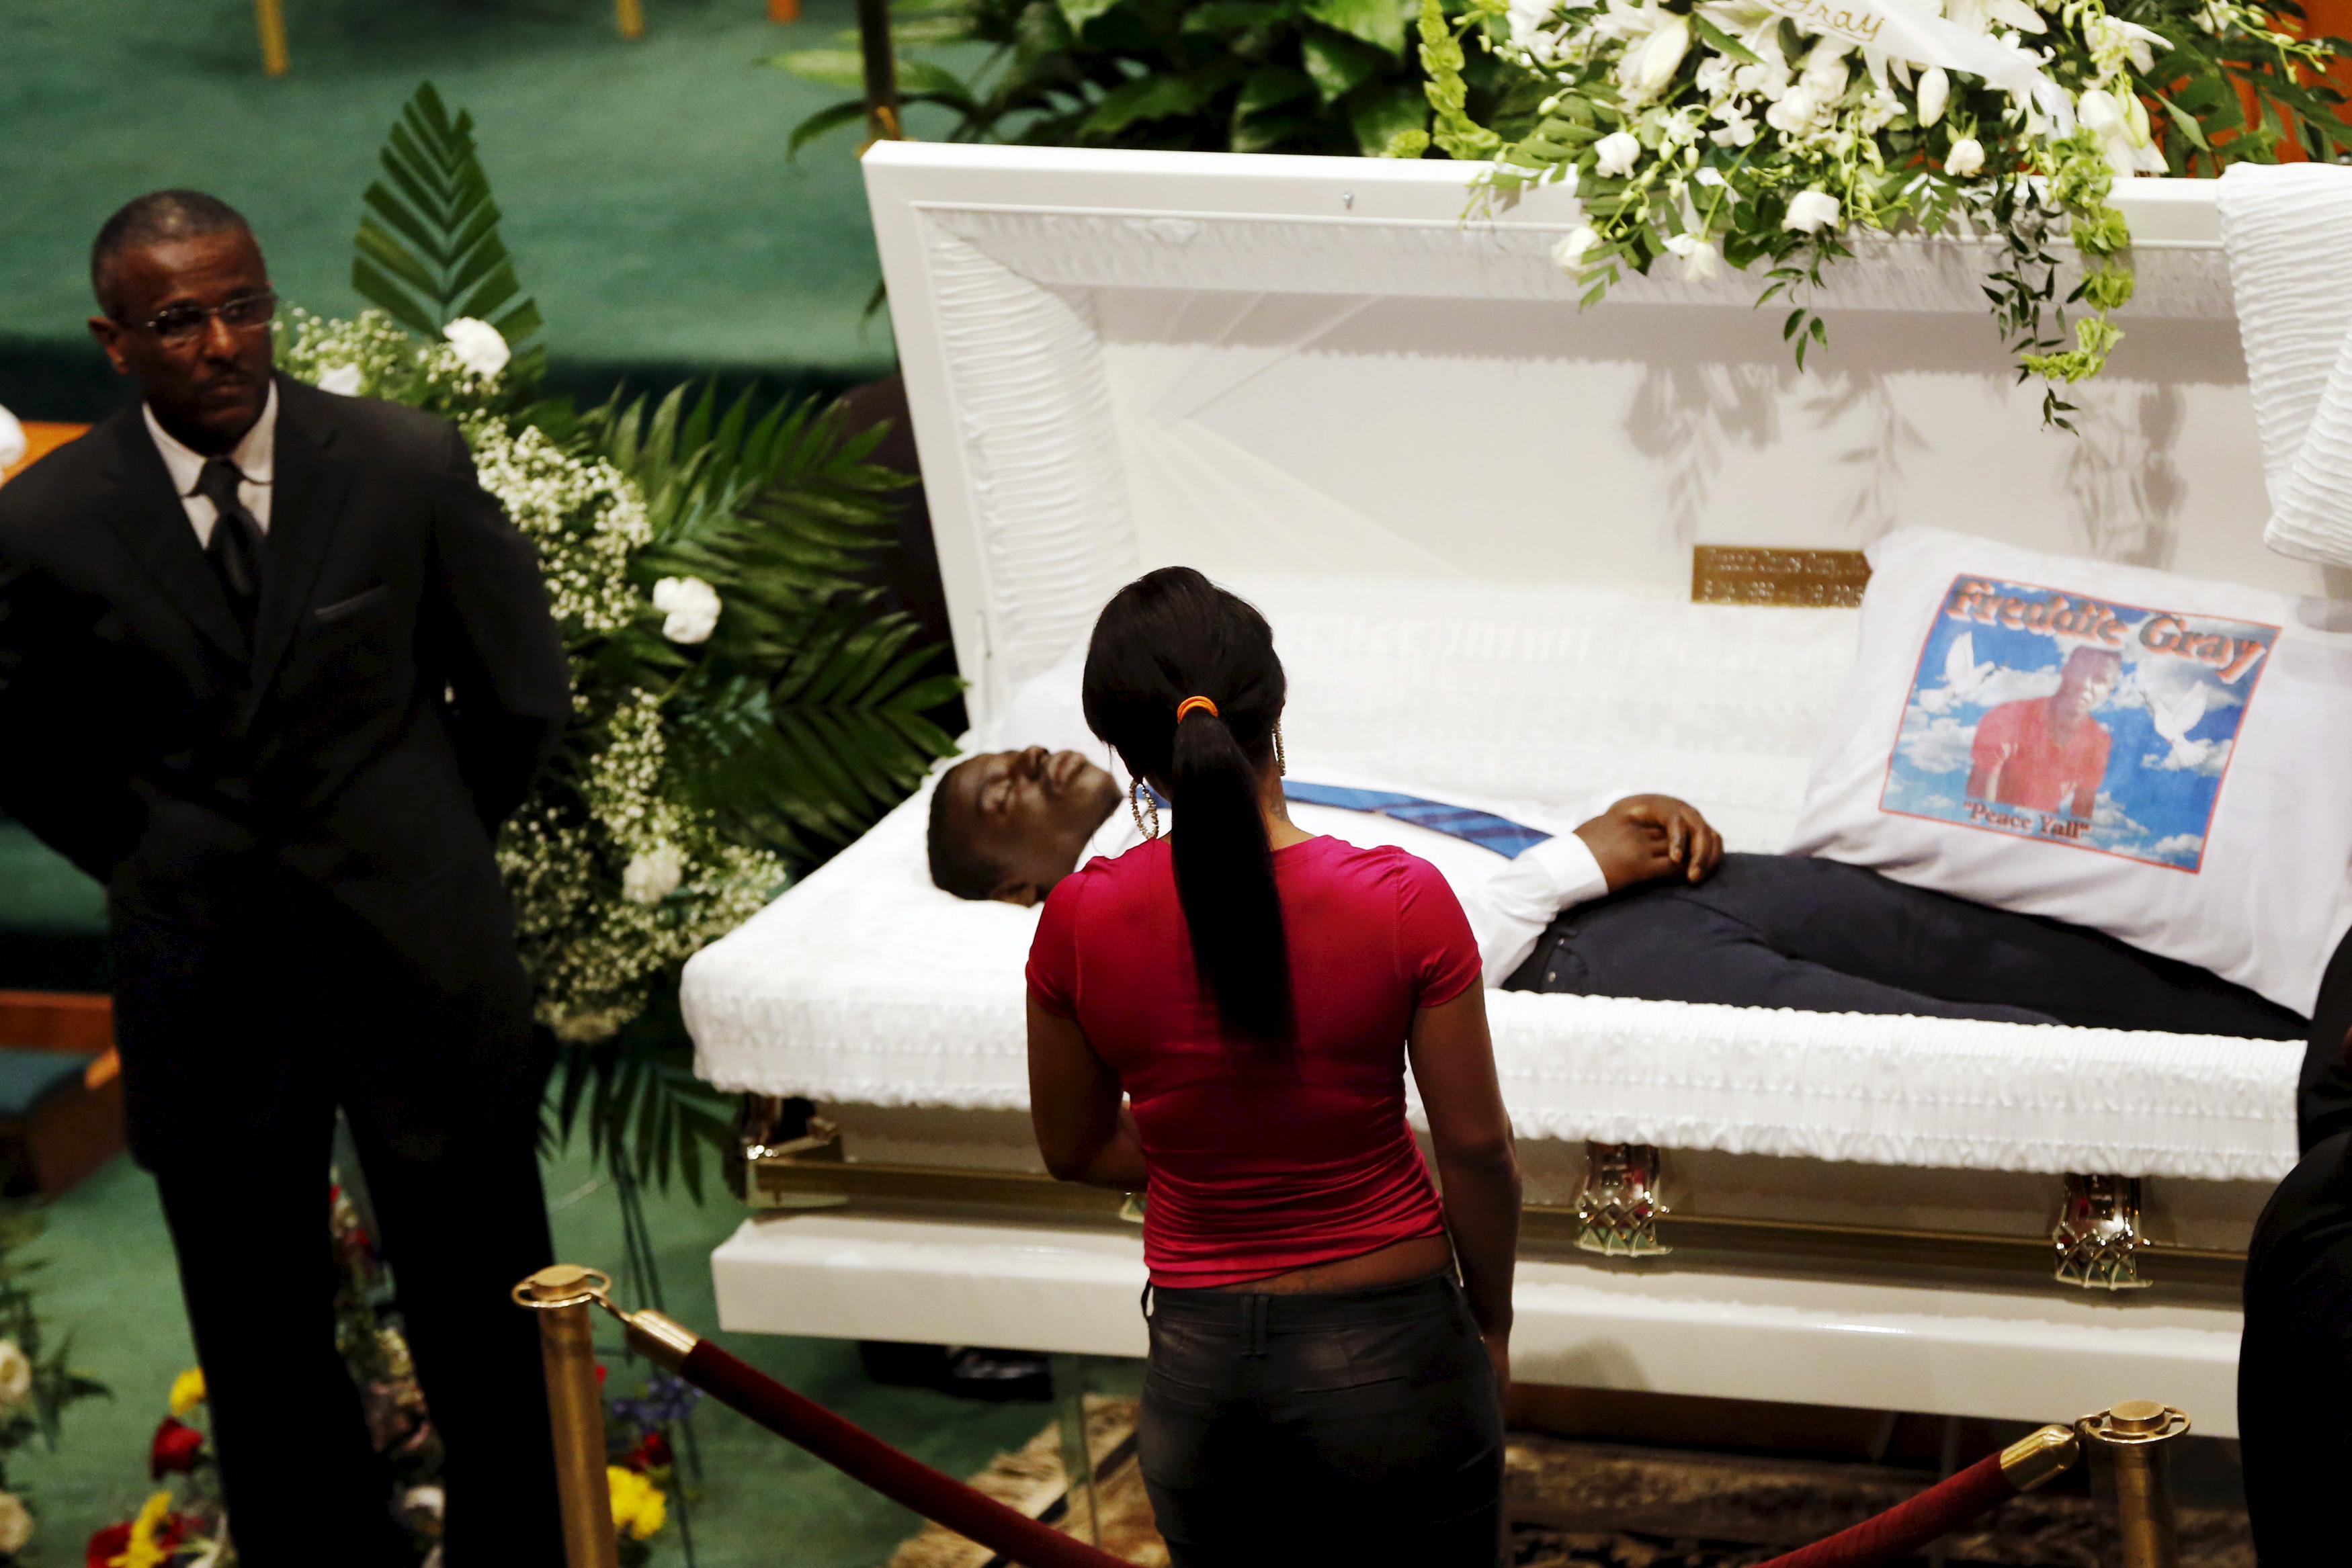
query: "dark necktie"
235, 549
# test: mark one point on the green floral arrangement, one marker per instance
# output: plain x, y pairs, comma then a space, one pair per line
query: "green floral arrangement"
1768, 133
1243, 76
741, 700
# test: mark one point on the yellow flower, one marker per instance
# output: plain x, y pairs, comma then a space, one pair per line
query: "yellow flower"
141, 1551
187, 1391
638, 1506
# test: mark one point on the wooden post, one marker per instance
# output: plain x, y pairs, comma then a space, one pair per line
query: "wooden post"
881, 71
561, 1294
270, 17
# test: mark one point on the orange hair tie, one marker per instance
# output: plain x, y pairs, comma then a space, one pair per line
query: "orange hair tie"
1189, 704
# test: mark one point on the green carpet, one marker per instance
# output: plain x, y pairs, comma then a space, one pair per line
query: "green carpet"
764, 1503
648, 196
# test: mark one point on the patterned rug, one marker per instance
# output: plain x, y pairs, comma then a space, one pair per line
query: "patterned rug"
1605, 1505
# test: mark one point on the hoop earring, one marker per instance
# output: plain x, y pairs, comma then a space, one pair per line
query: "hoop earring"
1140, 799
1281, 764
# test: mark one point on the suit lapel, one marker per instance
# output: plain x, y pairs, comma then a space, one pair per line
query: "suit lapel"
146, 514
305, 506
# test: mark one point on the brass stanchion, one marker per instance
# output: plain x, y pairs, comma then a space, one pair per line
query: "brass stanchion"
630, 15
270, 17
2133, 1435
561, 1295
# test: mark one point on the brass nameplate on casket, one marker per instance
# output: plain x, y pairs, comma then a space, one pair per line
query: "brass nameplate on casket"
1747, 574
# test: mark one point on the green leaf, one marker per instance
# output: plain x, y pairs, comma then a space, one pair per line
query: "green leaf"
1160, 97
427, 249
1723, 42
1379, 23
851, 111
1078, 12
1339, 64
1380, 115
1271, 85
843, 68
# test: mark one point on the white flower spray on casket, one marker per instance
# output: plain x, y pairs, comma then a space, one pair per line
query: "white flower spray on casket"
741, 700
1769, 132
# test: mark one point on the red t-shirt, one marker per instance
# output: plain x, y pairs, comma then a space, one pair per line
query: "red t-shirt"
2041, 774
1263, 1162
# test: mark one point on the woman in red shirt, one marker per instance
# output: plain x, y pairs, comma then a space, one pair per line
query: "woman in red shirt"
1329, 1340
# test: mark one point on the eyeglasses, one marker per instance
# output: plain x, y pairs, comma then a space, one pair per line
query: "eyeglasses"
184, 324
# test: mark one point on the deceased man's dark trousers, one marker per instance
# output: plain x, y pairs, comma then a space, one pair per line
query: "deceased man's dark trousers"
1787, 931
1357, 1427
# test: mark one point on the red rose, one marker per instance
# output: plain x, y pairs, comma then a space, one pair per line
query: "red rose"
176, 1448
108, 1544
652, 1453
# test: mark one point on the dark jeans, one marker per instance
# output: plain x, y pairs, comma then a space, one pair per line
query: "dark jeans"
1355, 1426
1786, 931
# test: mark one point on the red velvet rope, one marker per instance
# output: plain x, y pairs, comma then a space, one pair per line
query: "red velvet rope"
1906, 1527
866, 1457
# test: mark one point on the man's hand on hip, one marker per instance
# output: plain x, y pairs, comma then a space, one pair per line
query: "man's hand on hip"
1642, 838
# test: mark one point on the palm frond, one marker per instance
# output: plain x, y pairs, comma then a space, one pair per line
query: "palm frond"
427, 248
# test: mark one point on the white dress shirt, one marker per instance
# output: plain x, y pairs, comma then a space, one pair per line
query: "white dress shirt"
255, 457
1510, 902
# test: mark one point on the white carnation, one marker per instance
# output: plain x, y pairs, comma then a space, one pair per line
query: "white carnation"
652, 874
479, 347
691, 606
15, 1375
1966, 158
16, 1524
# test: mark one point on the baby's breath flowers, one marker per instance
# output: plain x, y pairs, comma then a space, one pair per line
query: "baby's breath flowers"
615, 879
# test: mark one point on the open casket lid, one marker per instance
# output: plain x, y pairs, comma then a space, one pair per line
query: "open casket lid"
1117, 361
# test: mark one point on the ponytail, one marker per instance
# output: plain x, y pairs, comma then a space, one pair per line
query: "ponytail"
1167, 637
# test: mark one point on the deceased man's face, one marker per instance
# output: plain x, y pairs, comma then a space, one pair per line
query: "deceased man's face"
1029, 813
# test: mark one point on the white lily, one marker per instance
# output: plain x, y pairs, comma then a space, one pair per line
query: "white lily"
1615, 154
2113, 41
1701, 261
1810, 212
1649, 66
1736, 130
1796, 112
1935, 92
1568, 254
2121, 126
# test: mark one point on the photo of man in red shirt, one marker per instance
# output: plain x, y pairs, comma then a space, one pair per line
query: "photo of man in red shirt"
2048, 753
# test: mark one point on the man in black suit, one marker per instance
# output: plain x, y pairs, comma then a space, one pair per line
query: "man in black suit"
273, 668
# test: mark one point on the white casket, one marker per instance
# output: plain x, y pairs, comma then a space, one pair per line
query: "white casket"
1470, 511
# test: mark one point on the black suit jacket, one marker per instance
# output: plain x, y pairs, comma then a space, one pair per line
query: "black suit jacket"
317, 802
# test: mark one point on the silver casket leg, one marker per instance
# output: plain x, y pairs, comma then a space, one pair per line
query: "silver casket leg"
2097, 1238
1617, 1209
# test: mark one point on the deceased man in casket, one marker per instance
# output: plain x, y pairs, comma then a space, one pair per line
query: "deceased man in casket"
1638, 901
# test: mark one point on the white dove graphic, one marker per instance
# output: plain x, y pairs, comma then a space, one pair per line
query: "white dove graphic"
1962, 675
2175, 719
